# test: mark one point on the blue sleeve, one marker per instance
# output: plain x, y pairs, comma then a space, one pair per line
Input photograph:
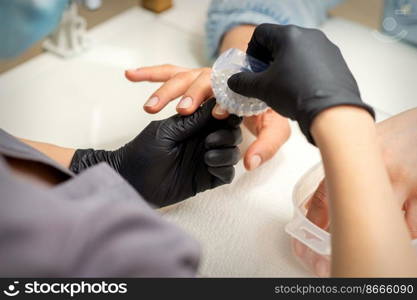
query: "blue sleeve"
226, 14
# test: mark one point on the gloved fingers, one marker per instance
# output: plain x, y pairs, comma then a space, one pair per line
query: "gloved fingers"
222, 157
224, 138
159, 73
268, 39
183, 127
198, 91
234, 121
248, 84
264, 45
224, 175
318, 207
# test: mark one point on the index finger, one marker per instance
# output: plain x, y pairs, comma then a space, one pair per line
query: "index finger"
159, 73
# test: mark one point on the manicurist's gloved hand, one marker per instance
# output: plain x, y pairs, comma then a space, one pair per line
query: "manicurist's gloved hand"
176, 158
307, 74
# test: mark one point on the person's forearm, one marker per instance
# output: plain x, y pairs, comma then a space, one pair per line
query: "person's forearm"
238, 37
60, 154
369, 236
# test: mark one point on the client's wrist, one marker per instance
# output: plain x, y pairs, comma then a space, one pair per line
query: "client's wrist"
237, 37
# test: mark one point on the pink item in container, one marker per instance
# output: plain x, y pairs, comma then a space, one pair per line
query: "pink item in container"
311, 244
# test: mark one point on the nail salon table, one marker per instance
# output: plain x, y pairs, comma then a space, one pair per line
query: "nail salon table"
86, 102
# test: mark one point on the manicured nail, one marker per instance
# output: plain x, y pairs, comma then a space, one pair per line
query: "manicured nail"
152, 101
219, 111
185, 103
254, 162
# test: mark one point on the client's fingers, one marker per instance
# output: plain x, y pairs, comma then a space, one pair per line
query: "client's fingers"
224, 138
272, 131
318, 264
170, 90
411, 217
224, 174
222, 157
198, 92
318, 211
219, 113
154, 73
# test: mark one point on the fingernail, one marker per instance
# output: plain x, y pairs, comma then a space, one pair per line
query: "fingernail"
254, 162
219, 111
152, 101
185, 103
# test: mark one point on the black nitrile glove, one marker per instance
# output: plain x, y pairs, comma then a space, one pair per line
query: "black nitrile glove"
307, 74
176, 158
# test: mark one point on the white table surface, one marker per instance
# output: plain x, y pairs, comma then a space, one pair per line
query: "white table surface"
87, 102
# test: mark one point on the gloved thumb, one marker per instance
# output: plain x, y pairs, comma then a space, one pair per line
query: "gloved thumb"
246, 84
183, 127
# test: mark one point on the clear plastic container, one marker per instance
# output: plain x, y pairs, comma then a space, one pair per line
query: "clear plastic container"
231, 62
310, 243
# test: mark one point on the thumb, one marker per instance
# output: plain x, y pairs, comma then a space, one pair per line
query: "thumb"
246, 84
272, 132
181, 128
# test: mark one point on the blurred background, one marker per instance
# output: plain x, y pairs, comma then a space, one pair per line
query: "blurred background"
368, 13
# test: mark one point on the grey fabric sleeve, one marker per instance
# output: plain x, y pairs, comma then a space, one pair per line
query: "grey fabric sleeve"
93, 225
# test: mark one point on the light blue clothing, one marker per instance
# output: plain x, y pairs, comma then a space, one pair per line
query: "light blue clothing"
226, 14
223, 15
24, 22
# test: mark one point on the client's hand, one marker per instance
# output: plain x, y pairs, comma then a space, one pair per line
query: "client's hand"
176, 158
398, 140
194, 86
